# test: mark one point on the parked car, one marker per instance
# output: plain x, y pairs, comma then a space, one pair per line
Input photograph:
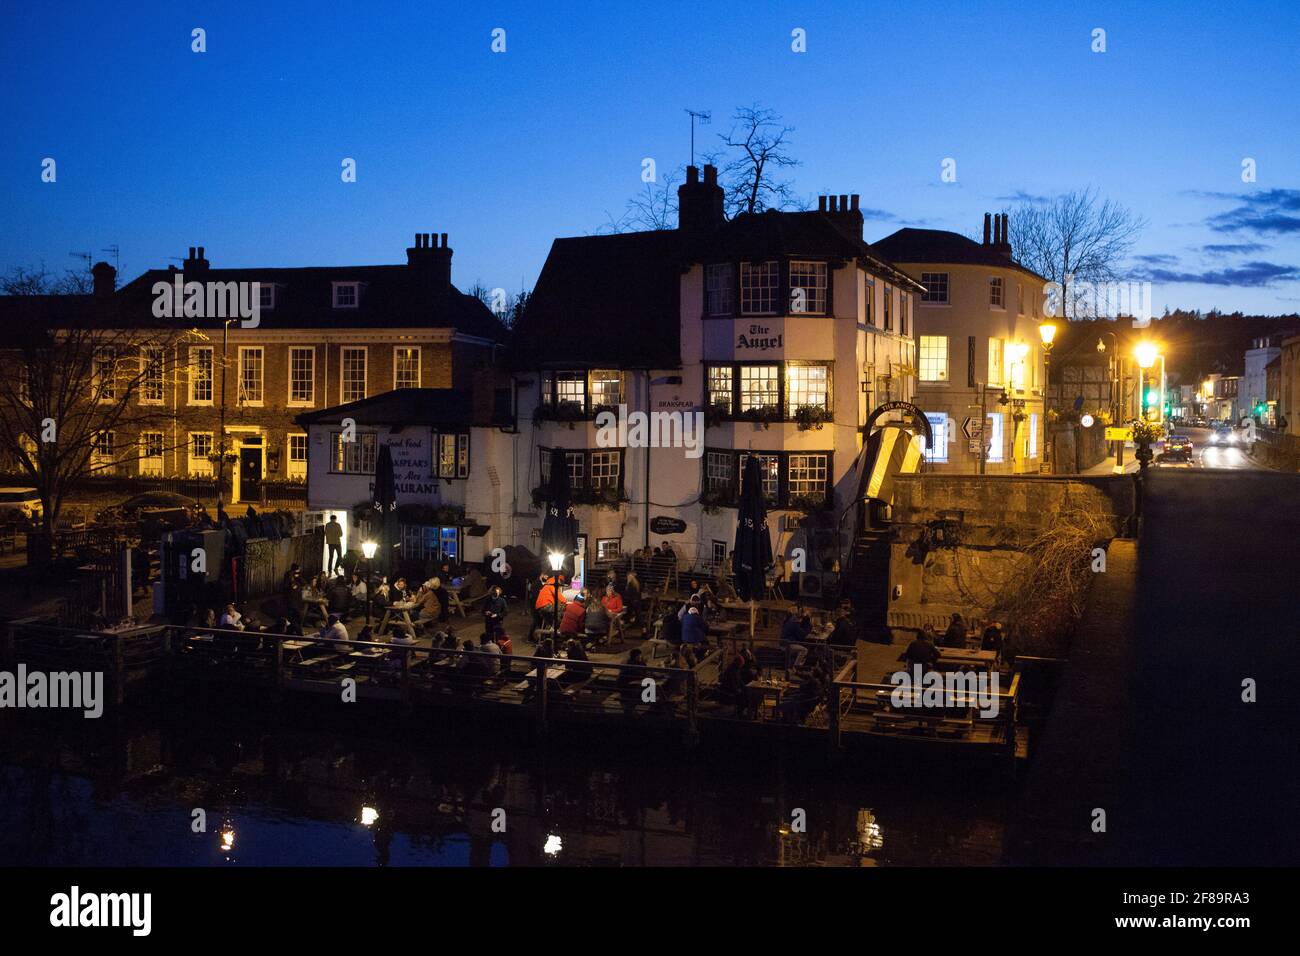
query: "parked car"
1177, 448
165, 507
20, 505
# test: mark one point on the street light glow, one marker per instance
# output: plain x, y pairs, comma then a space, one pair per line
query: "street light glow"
368, 549
1146, 353
556, 559
1048, 332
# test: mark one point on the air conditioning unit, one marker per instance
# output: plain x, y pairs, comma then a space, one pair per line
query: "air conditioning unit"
814, 584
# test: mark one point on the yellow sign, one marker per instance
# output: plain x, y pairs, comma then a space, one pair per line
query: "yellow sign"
1119, 434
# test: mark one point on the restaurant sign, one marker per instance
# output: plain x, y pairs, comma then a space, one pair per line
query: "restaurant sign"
760, 337
665, 525
412, 468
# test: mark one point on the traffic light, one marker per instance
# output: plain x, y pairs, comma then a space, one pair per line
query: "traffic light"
1150, 397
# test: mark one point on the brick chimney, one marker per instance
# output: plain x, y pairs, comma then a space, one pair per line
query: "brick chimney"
988, 218
843, 211
105, 278
700, 202
430, 258
195, 261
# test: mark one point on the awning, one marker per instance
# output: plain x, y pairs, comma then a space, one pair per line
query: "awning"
889, 451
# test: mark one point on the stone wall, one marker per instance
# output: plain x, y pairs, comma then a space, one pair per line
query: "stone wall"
960, 540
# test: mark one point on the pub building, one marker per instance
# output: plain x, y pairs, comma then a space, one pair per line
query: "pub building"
783, 330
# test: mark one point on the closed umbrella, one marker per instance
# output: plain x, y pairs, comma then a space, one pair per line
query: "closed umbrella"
559, 527
385, 505
753, 543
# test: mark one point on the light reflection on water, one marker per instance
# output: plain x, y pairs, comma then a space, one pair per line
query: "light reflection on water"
297, 793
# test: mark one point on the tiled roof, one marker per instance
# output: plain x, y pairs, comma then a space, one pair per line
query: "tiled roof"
939, 246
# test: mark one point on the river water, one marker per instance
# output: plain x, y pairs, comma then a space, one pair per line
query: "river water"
298, 787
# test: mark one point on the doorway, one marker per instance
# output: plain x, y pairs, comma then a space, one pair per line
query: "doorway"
250, 472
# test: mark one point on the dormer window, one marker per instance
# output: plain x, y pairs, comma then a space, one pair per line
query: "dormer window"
346, 295
808, 288
266, 295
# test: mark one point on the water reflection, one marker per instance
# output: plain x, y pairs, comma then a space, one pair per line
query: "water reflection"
298, 793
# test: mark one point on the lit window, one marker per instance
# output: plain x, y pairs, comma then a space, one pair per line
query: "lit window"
565, 388
250, 375
994, 437
759, 388
575, 462
936, 287
302, 376
355, 457
934, 358
996, 293
807, 385
808, 474
345, 295
353, 384
889, 303
720, 379
151, 382
808, 287
103, 452
151, 453
462, 456
769, 471
608, 549
104, 385
1033, 434
200, 449
297, 456
406, 367
446, 456
201, 375
758, 287
995, 362
606, 388
719, 285
938, 449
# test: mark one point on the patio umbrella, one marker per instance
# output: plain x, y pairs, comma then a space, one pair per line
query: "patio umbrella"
385, 505
559, 527
753, 543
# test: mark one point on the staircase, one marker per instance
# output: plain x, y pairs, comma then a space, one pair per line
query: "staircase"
866, 585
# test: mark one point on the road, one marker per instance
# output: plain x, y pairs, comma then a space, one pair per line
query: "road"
1217, 455
1213, 779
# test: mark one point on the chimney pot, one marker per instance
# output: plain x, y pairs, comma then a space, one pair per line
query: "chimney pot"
988, 225
853, 202
444, 240
200, 252
191, 252
834, 204
692, 174
710, 174
844, 202
821, 203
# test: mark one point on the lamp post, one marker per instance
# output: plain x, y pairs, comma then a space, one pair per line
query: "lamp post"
1047, 332
1146, 356
557, 562
368, 549
1116, 394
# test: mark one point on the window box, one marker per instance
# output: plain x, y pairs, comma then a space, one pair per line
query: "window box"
561, 412
716, 414
763, 416
811, 416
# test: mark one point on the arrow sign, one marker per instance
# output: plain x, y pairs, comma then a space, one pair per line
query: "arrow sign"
973, 427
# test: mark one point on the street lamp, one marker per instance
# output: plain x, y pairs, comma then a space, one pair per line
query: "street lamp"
1117, 397
557, 561
1047, 332
368, 549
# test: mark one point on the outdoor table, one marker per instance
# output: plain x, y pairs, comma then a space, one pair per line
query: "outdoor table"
956, 657
295, 648
403, 619
319, 605
759, 691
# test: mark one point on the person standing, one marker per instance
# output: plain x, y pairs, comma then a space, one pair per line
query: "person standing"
334, 542
494, 611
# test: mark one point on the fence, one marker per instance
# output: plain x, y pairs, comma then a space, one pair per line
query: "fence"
271, 494
1277, 449
124, 658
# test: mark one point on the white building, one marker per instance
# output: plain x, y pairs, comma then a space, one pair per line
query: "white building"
1253, 389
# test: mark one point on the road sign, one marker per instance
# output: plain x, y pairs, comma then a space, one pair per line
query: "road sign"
1119, 434
974, 428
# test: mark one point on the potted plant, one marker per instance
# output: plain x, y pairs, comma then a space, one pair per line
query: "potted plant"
811, 416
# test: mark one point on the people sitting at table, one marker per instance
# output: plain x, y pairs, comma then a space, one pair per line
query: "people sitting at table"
487, 646
922, 650
597, 623
708, 600
432, 607
799, 703
474, 584
794, 631
503, 641
545, 648
334, 629
613, 605
632, 596
471, 663
231, 619
731, 684
402, 636
955, 636
398, 591
751, 669
366, 633
993, 639
842, 633
357, 593
573, 621
694, 629
494, 611
574, 651
550, 590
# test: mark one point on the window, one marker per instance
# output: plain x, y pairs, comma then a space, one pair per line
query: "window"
995, 362
808, 287
151, 380
608, 549
934, 358
604, 469
904, 312
201, 375
449, 543
938, 451
936, 287
353, 382
720, 473
1033, 435
606, 388
996, 300
346, 295
430, 542
758, 287
566, 388
869, 300
452, 460
406, 366
24, 384
994, 437
759, 388
719, 384
1020, 298
808, 474
250, 375
103, 452
889, 320
302, 375
717, 554
200, 449
266, 295
769, 472
1020, 352
151, 453
807, 385
719, 289
354, 457
297, 456
104, 385
462, 456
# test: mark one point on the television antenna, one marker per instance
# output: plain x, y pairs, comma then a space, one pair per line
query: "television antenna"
116, 253
704, 116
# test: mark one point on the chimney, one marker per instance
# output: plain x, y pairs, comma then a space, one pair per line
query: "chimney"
430, 258
843, 211
195, 263
1005, 245
988, 219
700, 204
105, 278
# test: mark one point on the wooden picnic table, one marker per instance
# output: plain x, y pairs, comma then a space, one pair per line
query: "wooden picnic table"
403, 611
957, 657
759, 691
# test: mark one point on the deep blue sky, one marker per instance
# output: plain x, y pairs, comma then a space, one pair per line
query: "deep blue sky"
238, 148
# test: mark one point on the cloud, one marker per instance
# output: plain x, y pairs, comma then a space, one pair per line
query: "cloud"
1232, 248
1020, 196
1248, 275
1158, 259
1268, 212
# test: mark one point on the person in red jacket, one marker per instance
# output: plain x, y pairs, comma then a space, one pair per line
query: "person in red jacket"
573, 624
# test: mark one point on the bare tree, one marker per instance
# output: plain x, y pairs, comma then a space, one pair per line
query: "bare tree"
28, 280
655, 207
1074, 238
750, 177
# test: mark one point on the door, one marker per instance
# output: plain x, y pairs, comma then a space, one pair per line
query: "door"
250, 474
